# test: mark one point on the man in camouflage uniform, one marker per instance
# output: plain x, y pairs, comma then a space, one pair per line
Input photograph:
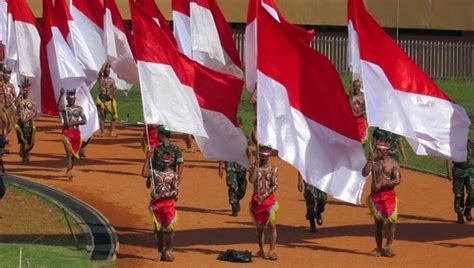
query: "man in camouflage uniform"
462, 176
236, 182
177, 159
315, 203
395, 141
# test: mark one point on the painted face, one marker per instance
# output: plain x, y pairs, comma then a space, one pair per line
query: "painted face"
106, 72
356, 85
382, 151
71, 100
25, 92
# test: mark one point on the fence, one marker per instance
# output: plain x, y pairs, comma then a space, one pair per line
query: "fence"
439, 59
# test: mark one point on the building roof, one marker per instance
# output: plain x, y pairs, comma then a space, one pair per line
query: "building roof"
414, 14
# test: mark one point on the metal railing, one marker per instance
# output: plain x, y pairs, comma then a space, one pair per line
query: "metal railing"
439, 59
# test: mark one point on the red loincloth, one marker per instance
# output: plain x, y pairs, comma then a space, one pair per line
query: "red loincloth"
383, 205
264, 212
164, 214
362, 127
72, 139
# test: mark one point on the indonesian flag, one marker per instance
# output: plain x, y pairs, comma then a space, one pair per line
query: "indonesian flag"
400, 97
212, 42
250, 43
64, 70
23, 46
152, 10
84, 58
186, 96
303, 111
86, 24
3, 21
182, 25
117, 46
88, 16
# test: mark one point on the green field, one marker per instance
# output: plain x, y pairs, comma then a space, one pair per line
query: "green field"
34, 229
460, 90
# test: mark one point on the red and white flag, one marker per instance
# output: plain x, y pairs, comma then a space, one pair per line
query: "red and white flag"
250, 43
117, 44
84, 58
186, 96
3, 21
211, 37
64, 69
87, 24
152, 10
22, 51
303, 111
182, 25
89, 19
400, 97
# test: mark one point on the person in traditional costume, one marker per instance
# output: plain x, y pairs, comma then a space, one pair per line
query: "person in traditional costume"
105, 101
73, 116
382, 201
357, 101
7, 102
264, 205
25, 128
165, 145
164, 182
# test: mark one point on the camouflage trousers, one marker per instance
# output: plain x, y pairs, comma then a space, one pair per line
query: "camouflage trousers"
459, 183
315, 201
237, 185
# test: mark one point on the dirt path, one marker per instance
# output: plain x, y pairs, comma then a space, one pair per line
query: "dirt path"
109, 180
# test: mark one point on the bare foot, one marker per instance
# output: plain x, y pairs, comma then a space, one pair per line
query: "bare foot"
70, 175
169, 256
262, 254
113, 134
272, 255
388, 252
376, 252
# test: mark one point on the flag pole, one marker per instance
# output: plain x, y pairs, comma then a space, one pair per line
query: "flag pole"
398, 18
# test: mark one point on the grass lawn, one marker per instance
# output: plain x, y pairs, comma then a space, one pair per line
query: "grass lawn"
38, 227
460, 90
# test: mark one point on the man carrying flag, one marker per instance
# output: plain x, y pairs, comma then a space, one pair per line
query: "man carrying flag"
420, 111
264, 206
383, 203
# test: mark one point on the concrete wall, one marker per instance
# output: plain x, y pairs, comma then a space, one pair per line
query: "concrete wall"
415, 14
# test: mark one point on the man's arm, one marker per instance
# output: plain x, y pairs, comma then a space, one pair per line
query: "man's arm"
220, 170
253, 174
449, 170
83, 117
146, 168
395, 178
179, 168
368, 166
61, 103
402, 150
179, 161
300, 183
